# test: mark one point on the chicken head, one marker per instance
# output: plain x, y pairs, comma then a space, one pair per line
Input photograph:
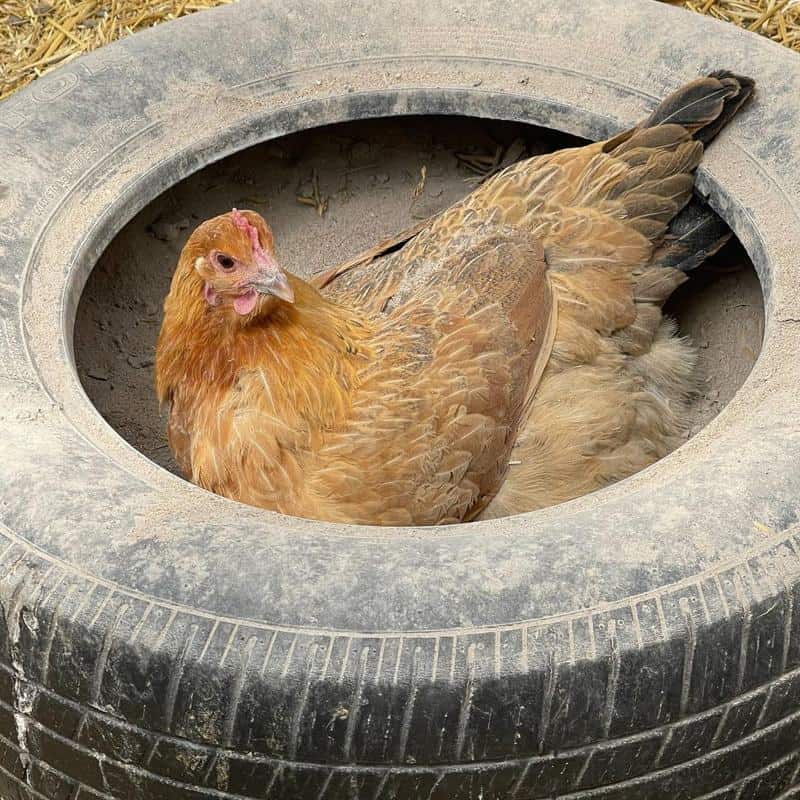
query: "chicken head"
234, 256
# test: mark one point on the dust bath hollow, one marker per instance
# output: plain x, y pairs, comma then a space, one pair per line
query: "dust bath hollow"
367, 171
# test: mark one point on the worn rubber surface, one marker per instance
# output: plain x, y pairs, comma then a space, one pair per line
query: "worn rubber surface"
642, 643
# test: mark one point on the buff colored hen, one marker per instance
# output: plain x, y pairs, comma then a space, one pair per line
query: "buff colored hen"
512, 355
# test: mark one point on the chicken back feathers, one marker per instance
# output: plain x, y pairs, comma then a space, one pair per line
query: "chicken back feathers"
512, 355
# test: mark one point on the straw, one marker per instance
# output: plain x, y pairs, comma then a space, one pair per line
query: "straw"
777, 19
36, 37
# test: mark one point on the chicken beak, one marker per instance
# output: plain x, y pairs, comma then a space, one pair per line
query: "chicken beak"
271, 279
277, 285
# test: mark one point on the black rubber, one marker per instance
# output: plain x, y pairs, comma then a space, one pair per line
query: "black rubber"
128, 698
642, 643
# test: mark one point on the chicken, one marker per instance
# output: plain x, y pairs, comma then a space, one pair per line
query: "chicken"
512, 355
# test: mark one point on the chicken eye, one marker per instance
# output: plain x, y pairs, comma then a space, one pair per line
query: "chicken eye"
225, 262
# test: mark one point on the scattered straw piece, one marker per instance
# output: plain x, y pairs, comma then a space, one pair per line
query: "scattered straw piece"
420, 187
315, 198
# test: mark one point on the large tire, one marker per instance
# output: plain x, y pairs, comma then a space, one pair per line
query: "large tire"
161, 642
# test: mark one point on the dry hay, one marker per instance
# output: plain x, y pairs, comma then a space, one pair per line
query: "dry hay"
36, 37
777, 19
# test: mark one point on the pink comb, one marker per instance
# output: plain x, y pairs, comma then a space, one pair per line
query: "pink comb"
241, 222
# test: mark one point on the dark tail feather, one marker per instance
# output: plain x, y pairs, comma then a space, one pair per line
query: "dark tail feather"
705, 105
694, 235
